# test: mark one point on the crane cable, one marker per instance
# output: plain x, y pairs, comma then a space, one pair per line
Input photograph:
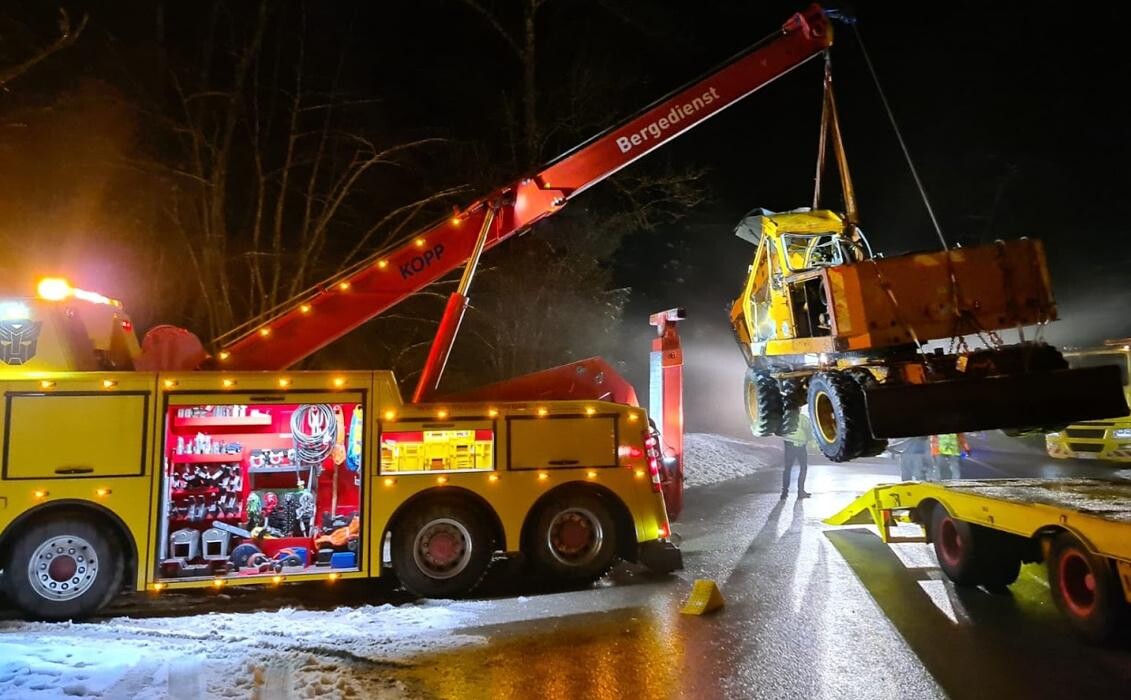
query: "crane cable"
899, 135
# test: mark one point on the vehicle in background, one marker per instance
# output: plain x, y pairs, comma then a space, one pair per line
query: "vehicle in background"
1108, 439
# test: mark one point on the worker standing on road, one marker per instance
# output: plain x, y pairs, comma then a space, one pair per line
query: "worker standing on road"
796, 446
947, 451
915, 459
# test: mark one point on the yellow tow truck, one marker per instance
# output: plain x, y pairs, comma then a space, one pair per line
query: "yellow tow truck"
114, 477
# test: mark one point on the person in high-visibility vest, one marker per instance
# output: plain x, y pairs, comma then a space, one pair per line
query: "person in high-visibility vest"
947, 451
796, 446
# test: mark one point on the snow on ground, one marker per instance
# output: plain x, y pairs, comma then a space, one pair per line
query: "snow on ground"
236, 655
712, 458
292, 652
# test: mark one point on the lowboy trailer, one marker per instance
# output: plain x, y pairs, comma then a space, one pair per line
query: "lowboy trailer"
982, 531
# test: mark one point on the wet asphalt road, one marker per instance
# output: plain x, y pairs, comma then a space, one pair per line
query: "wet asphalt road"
811, 612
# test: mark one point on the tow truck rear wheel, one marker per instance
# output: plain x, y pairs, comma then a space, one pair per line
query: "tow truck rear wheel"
838, 415
763, 403
575, 537
441, 550
1086, 589
65, 567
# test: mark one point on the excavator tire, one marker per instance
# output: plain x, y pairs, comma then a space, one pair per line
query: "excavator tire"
793, 401
763, 403
873, 446
838, 415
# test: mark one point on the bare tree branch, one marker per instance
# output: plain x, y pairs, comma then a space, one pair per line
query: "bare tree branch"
68, 34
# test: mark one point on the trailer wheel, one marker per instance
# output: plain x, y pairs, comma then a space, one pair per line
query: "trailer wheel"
972, 555
575, 537
441, 550
1085, 589
65, 567
838, 416
763, 403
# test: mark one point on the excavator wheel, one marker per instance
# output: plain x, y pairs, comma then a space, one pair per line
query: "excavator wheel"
873, 446
763, 403
793, 401
838, 415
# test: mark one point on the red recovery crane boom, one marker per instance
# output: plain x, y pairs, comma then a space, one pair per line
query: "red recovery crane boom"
344, 302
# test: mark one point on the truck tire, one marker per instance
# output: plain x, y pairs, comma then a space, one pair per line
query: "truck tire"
873, 446
972, 555
763, 403
837, 414
64, 567
575, 537
793, 400
1086, 589
441, 550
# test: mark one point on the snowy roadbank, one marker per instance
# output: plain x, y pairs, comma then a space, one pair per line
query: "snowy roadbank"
709, 458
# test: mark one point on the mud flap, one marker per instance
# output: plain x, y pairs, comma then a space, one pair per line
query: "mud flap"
660, 556
1038, 399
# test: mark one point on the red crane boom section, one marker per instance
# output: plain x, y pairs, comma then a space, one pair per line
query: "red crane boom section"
356, 295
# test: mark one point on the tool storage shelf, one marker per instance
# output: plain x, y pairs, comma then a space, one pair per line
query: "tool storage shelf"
195, 491
222, 421
207, 459
206, 520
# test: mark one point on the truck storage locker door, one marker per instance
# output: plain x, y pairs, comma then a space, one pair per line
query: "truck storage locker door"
75, 435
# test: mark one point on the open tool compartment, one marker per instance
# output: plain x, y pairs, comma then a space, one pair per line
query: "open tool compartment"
252, 488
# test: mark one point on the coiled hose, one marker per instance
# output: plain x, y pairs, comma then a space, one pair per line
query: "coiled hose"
315, 431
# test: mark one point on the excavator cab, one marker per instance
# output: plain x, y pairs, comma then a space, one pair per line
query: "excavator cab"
786, 295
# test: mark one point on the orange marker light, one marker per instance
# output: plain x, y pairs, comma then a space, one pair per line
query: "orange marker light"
589, 410
170, 383
228, 383
334, 577
639, 473
419, 242
224, 354
46, 384
441, 480
591, 475
456, 221
158, 587
344, 286
305, 308
543, 412
389, 481
390, 415
217, 583
542, 476
109, 383
442, 413
632, 417
339, 382
264, 332
53, 289
492, 412
276, 579
382, 264
493, 477
284, 382
102, 493
41, 494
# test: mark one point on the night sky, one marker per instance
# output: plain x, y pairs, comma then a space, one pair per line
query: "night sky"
1012, 112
